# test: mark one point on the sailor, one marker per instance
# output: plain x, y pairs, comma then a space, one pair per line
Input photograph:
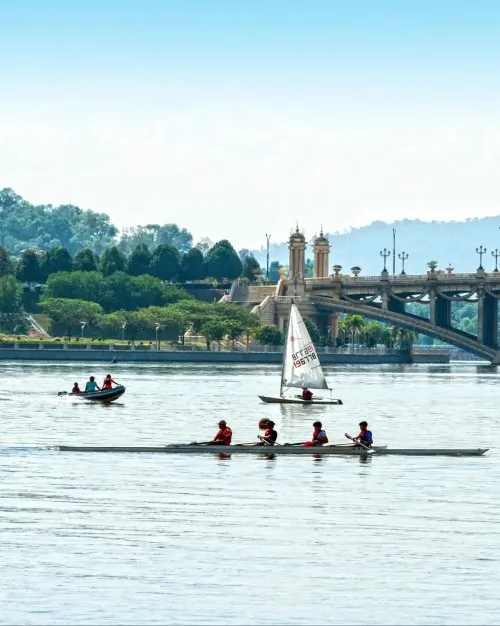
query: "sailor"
365, 436
91, 385
107, 384
319, 436
270, 436
224, 435
76, 388
306, 394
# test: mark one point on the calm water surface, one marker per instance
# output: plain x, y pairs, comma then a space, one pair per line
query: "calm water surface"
152, 539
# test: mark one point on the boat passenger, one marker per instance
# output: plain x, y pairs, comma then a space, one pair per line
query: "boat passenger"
319, 436
91, 385
107, 384
76, 388
365, 436
270, 436
223, 436
306, 394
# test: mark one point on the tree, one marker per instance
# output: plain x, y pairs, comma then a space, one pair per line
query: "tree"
223, 262
269, 335
313, 330
139, 261
91, 286
56, 260
6, 263
204, 245
10, 302
234, 330
213, 330
71, 313
111, 324
85, 261
154, 235
29, 268
251, 267
193, 265
112, 261
353, 324
165, 262
274, 271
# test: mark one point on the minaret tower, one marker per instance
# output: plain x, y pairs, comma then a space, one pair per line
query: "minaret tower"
297, 247
321, 248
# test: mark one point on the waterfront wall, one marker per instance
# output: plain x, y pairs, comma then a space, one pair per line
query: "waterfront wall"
62, 353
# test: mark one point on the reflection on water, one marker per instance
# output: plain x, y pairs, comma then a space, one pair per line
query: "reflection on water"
156, 539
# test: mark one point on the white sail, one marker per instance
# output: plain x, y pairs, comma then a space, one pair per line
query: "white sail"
301, 366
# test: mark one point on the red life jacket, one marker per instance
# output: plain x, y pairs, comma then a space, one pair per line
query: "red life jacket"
271, 434
307, 395
224, 436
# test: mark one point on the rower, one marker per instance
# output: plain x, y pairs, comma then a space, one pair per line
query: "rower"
76, 388
365, 436
319, 436
224, 435
306, 394
270, 436
107, 384
91, 385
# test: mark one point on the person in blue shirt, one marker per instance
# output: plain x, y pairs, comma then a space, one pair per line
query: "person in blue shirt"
92, 385
365, 436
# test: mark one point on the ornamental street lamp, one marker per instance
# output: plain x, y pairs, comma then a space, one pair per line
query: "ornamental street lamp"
403, 256
157, 328
83, 326
495, 254
124, 325
268, 237
393, 251
481, 251
386, 254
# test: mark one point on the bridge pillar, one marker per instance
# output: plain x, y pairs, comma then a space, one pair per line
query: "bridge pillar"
439, 311
297, 264
321, 250
334, 326
487, 320
396, 306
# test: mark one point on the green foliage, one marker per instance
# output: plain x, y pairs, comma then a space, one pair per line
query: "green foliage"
7, 265
313, 330
24, 225
165, 262
29, 268
193, 265
85, 261
269, 335
56, 260
250, 267
10, 303
223, 262
139, 260
213, 330
274, 274
112, 260
70, 312
154, 235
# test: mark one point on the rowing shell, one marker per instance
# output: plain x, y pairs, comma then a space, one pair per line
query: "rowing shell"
285, 450
283, 400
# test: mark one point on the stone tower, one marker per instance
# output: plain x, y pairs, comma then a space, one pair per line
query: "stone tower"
297, 247
321, 248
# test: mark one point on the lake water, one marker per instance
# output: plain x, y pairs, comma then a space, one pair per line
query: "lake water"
154, 539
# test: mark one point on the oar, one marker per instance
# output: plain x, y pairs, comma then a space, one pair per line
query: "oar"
299, 443
359, 443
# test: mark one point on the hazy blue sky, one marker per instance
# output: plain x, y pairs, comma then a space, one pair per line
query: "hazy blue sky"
236, 118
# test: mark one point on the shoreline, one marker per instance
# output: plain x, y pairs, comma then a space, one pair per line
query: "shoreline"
195, 356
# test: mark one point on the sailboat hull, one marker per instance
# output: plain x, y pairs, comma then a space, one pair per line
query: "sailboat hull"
281, 400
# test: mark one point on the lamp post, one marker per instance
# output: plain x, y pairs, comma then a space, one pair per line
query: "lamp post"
157, 328
403, 256
393, 251
496, 254
268, 237
124, 325
386, 254
83, 326
481, 251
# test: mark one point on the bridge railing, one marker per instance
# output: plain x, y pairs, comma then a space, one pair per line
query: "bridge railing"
406, 278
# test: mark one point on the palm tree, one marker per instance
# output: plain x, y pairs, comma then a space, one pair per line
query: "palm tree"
354, 324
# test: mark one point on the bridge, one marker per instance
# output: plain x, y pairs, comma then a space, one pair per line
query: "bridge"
383, 298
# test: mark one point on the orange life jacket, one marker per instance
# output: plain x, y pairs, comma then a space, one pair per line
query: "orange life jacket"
224, 436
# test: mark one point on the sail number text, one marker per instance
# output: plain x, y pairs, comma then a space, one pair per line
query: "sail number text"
301, 357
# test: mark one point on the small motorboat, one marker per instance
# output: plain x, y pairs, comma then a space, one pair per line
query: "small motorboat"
104, 395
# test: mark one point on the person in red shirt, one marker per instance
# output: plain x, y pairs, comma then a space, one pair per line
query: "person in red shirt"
107, 384
76, 388
223, 436
306, 394
319, 436
270, 436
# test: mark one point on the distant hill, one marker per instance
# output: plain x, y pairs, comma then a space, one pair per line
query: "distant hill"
444, 242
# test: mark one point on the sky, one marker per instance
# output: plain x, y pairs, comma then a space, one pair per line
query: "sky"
239, 118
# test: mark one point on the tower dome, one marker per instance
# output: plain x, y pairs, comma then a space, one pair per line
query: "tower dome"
321, 249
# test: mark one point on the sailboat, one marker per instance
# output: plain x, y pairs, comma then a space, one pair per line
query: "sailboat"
301, 366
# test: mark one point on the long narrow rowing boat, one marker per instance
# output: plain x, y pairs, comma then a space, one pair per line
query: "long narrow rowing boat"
292, 450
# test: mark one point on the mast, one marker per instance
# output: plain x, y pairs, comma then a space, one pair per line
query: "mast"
285, 348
